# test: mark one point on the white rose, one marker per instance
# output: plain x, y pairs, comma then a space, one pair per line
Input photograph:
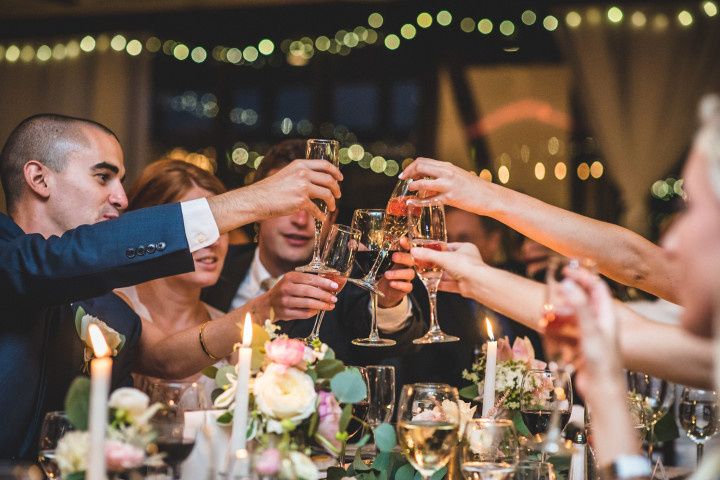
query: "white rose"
130, 400
112, 337
72, 452
466, 413
304, 468
285, 393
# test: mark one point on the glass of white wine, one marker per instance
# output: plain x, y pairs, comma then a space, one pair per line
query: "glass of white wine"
428, 425
697, 414
491, 449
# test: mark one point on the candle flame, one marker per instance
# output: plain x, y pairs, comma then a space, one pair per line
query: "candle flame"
247, 331
99, 345
488, 325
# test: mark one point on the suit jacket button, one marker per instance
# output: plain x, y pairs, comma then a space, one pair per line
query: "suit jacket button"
130, 252
161, 246
140, 250
150, 248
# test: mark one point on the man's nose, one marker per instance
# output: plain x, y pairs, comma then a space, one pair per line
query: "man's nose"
118, 198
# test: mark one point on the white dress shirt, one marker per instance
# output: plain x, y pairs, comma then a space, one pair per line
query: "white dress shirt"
200, 227
389, 320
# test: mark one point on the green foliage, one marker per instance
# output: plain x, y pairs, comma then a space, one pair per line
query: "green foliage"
314, 423
470, 392
520, 426
75, 476
385, 438
225, 419
328, 368
210, 372
221, 376
79, 314
77, 402
336, 473
348, 386
345, 417
406, 472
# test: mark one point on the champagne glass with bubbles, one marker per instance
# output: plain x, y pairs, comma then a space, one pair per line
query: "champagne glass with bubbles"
426, 433
319, 149
697, 415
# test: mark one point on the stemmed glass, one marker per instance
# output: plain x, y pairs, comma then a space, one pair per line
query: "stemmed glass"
319, 149
697, 414
381, 394
372, 242
428, 435
426, 225
491, 449
336, 263
394, 226
54, 426
650, 398
543, 391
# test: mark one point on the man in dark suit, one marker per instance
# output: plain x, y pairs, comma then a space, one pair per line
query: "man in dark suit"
265, 277
64, 242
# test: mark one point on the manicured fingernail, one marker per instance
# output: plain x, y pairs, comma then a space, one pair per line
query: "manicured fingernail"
402, 176
333, 285
334, 299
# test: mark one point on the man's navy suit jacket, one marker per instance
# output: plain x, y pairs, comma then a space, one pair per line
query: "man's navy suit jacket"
39, 281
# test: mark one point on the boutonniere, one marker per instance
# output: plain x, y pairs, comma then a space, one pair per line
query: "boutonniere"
115, 340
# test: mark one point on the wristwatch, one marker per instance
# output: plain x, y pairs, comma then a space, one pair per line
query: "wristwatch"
626, 467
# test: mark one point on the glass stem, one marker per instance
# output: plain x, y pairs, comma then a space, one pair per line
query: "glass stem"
372, 274
374, 335
316, 245
651, 441
318, 323
699, 453
432, 295
555, 430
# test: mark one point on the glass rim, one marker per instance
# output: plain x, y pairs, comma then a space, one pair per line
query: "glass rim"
439, 386
323, 140
492, 421
424, 202
345, 229
381, 367
373, 210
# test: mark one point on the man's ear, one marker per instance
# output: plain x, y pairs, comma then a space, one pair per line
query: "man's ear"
37, 178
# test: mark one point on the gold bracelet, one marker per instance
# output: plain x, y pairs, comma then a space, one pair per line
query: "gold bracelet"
202, 342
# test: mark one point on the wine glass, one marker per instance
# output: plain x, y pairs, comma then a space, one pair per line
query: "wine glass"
427, 435
532, 470
381, 394
426, 225
319, 149
54, 426
491, 449
372, 242
177, 396
697, 414
336, 262
173, 439
543, 391
394, 226
651, 398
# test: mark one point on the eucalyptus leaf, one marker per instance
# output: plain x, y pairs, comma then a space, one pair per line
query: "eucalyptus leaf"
439, 474
520, 426
359, 465
75, 476
210, 372
385, 438
345, 417
221, 378
470, 392
77, 402
406, 472
382, 461
369, 475
348, 386
79, 314
328, 368
363, 441
336, 473
329, 354
314, 422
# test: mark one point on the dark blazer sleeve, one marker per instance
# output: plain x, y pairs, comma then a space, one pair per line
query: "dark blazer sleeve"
91, 259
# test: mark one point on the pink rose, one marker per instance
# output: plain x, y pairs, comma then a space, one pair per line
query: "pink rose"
269, 462
523, 350
121, 456
285, 351
329, 412
504, 352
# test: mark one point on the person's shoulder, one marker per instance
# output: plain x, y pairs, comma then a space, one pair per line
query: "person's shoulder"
8, 228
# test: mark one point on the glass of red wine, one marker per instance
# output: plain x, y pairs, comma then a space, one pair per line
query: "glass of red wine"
426, 227
372, 242
319, 149
394, 226
542, 392
337, 262
560, 329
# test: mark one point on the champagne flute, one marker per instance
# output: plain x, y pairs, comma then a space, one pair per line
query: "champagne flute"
319, 149
426, 224
54, 426
372, 242
542, 392
336, 262
697, 414
651, 398
427, 435
394, 226
491, 449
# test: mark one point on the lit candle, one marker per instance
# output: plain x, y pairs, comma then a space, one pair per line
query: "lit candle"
239, 429
490, 366
100, 374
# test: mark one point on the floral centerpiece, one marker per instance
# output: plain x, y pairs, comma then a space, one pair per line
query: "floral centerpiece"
129, 443
513, 362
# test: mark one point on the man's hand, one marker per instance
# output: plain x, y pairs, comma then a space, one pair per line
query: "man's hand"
297, 295
291, 189
460, 262
450, 184
397, 282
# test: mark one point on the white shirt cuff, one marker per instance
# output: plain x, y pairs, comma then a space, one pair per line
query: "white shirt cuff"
393, 319
200, 227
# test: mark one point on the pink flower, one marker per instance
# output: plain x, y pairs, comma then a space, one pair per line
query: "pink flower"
428, 415
504, 352
285, 351
523, 350
329, 412
269, 462
121, 456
